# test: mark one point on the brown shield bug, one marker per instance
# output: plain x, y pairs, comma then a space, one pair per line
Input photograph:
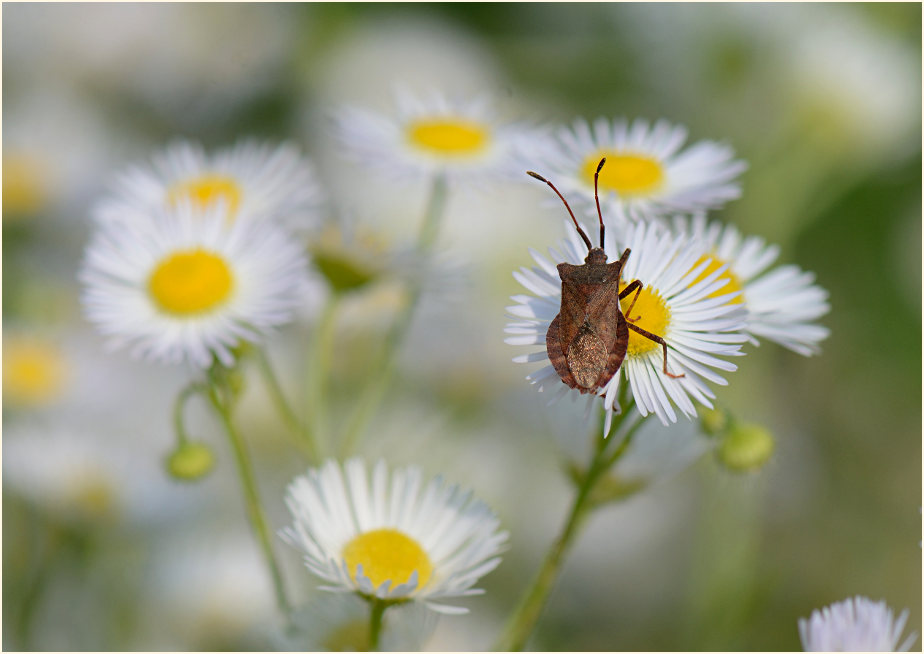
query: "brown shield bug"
588, 339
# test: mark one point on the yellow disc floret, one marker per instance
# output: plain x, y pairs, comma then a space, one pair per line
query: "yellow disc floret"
653, 316
387, 554
733, 285
33, 371
191, 282
206, 190
452, 137
627, 174
25, 185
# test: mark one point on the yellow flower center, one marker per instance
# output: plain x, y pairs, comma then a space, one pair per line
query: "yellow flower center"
206, 190
191, 282
33, 372
24, 185
653, 316
453, 137
627, 174
387, 554
733, 285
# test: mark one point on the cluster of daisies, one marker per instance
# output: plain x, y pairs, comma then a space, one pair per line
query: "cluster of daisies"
196, 254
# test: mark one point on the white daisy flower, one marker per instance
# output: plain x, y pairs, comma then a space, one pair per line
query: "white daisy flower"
646, 173
184, 285
699, 329
251, 179
781, 304
462, 139
855, 625
398, 539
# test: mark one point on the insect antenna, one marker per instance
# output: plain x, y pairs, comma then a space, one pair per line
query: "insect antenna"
597, 198
580, 231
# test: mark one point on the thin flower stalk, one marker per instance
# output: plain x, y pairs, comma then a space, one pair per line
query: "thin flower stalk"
375, 391
318, 371
251, 497
524, 618
305, 436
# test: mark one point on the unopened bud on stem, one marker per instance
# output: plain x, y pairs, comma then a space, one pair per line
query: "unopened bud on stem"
746, 447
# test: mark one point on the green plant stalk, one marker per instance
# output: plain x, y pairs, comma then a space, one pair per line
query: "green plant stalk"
44, 558
376, 614
181, 399
251, 498
318, 371
524, 618
304, 435
384, 365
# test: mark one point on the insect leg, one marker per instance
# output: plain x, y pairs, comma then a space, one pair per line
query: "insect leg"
660, 341
634, 286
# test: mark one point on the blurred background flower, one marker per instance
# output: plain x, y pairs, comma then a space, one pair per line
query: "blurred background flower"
822, 102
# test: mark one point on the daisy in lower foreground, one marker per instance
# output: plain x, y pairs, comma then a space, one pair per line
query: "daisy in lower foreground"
695, 317
397, 539
252, 179
781, 304
647, 174
183, 285
855, 625
464, 140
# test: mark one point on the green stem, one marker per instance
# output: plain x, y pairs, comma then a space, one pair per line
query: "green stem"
305, 436
436, 203
523, 620
318, 369
376, 613
384, 365
178, 406
624, 443
43, 556
251, 498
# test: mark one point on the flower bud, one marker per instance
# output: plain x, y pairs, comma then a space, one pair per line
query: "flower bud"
190, 461
342, 271
713, 421
746, 447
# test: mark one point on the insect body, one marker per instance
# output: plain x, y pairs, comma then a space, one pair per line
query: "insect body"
588, 339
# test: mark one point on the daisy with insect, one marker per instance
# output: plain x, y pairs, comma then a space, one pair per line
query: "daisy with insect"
659, 307
667, 334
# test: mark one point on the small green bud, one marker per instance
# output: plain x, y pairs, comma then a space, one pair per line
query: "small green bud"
746, 447
343, 272
713, 421
190, 461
